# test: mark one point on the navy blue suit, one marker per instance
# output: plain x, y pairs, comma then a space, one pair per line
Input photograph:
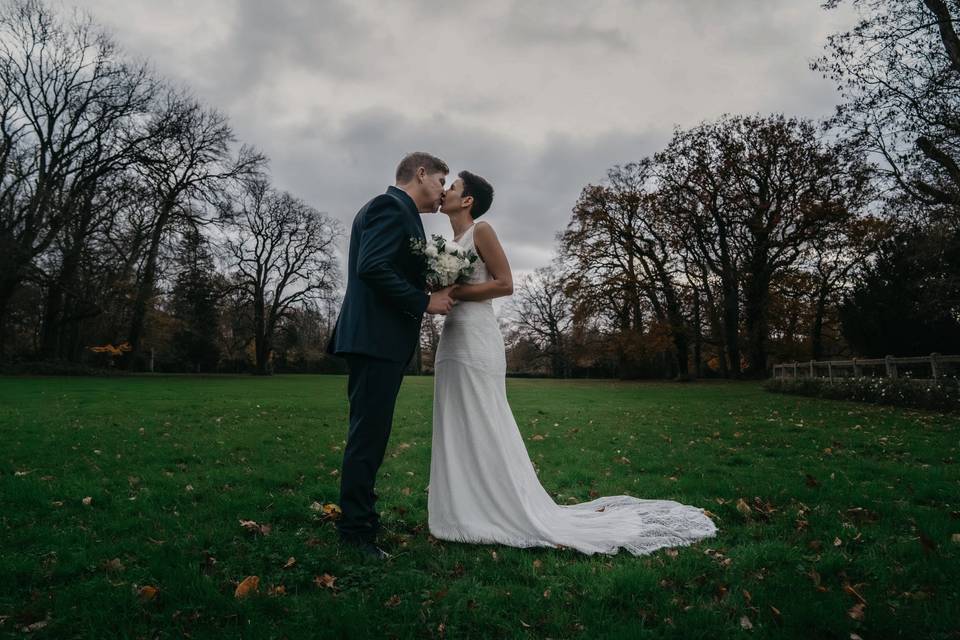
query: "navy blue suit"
377, 332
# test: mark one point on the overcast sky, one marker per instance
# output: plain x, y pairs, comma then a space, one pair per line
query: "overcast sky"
539, 97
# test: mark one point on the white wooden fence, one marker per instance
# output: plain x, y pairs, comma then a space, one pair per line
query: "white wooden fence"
889, 367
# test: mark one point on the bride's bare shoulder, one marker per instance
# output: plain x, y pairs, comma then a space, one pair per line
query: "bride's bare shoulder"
484, 228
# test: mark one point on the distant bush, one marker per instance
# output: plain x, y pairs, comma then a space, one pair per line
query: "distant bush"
942, 395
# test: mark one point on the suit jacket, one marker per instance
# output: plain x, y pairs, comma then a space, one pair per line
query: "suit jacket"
386, 298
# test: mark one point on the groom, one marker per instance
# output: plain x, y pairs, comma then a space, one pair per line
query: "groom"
378, 329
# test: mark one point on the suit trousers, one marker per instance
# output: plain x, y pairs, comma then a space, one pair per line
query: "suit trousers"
372, 387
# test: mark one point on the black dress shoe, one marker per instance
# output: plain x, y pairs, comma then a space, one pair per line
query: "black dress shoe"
367, 548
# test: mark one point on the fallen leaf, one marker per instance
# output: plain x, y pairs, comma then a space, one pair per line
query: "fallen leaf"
673, 553
326, 581
405, 491
955, 538
316, 506
537, 564
524, 624
290, 562
857, 611
251, 525
113, 565
837, 542
147, 593
331, 511
87, 501
743, 507
811, 481
393, 601
745, 623
247, 586
546, 593
777, 616
278, 590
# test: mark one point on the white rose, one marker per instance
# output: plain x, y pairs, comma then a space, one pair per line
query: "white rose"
447, 263
431, 251
452, 248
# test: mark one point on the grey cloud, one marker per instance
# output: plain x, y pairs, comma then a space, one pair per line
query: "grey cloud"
314, 84
337, 171
534, 33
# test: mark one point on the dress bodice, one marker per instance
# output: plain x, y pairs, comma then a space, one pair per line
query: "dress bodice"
480, 273
466, 308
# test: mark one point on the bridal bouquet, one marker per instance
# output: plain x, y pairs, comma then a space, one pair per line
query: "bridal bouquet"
446, 262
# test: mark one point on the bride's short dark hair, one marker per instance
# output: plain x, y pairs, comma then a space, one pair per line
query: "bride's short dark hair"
480, 189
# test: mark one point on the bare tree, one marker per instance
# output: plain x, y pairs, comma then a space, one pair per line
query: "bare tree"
898, 71
833, 261
544, 314
695, 175
187, 164
794, 189
750, 196
284, 254
618, 233
67, 105
429, 340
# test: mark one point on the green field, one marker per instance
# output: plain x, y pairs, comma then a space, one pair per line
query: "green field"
849, 518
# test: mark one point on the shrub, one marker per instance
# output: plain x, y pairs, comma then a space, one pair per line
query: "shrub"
942, 395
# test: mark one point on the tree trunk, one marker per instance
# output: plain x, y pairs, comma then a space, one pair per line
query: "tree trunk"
147, 282
261, 347
697, 336
8, 286
816, 331
50, 325
756, 307
731, 327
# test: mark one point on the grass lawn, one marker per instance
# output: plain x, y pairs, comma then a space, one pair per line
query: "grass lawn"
835, 518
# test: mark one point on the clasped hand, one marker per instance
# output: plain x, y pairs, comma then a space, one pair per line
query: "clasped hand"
440, 301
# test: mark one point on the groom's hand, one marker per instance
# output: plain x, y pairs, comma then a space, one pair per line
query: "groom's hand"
440, 302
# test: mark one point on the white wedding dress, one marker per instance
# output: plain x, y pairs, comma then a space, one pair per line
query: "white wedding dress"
483, 487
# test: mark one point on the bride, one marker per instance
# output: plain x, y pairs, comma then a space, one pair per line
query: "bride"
483, 487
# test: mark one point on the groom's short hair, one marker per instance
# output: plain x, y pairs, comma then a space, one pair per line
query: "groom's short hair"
480, 189
407, 168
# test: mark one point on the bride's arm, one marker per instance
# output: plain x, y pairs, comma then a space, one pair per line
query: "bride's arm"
489, 249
